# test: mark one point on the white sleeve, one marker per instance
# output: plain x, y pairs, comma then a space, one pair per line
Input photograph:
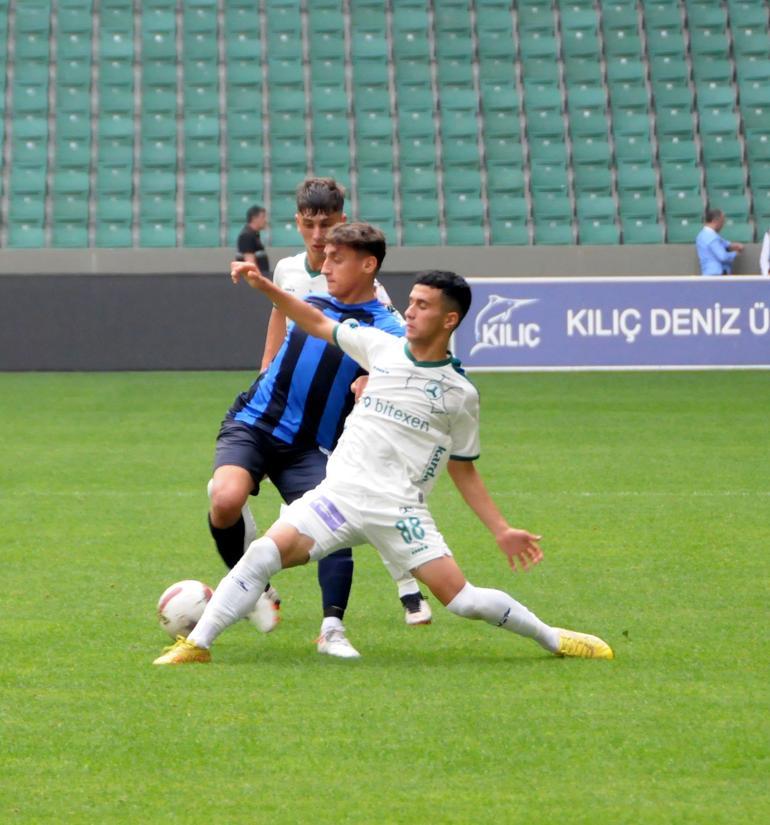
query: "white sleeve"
279, 274
465, 430
764, 255
361, 343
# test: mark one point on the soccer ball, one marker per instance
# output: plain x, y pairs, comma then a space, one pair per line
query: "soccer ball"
181, 605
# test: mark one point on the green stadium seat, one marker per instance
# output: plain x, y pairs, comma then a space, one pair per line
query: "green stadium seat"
29, 151
505, 232
202, 233
113, 234
505, 179
638, 205
758, 146
420, 207
25, 208
500, 149
750, 40
418, 179
115, 151
70, 234
73, 124
683, 203
494, 29
633, 148
672, 94
628, 122
114, 208
737, 230
421, 233
27, 180
593, 177
642, 231
508, 206
553, 233
676, 148
201, 97
581, 70
374, 151
158, 152
71, 182
157, 233
685, 174
716, 96
712, 69
720, 148
32, 126
113, 179
595, 208
670, 68
673, 122
72, 151
598, 233
29, 99
628, 96
25, 235
726, 177
282, 232
465, 233
683, 229
74, 71
636, 176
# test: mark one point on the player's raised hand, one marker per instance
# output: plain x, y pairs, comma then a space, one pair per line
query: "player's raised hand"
248, 271
521, 548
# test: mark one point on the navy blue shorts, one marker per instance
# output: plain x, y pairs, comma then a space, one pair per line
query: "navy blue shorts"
293, 470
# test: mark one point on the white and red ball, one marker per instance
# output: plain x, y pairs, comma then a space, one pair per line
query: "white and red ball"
181, 605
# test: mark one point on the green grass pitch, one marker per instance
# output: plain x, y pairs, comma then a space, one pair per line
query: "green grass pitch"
652, 492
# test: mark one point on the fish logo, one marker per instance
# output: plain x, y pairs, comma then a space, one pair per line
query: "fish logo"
494, 317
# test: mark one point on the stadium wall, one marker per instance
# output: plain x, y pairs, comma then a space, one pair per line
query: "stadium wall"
145, 309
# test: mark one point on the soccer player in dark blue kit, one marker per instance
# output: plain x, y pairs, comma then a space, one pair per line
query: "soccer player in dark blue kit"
285, 425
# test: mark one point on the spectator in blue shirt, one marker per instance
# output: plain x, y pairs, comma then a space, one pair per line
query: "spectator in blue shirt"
716, 254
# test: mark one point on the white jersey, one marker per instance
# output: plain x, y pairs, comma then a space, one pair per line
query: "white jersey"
295, 276
412, 418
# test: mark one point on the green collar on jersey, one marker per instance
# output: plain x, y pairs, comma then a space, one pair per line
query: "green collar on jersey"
448, 360
314, 273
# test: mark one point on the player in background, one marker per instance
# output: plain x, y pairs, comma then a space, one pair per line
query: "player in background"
286, 424
417, 415
249, 243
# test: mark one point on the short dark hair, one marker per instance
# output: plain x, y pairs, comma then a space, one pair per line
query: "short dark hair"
322, 195
713, 214
254, 212
363, 237
455, 288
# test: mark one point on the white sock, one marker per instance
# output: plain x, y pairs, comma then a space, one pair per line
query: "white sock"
407, 585
499, 609
238, 591
331, 623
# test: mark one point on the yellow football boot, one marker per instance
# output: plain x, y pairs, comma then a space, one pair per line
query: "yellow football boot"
183, 652
582, 645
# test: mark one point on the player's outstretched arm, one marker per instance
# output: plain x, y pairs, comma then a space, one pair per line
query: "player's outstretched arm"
519, 546
313, 321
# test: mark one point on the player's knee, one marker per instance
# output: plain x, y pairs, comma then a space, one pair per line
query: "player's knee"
227, 500
465, 603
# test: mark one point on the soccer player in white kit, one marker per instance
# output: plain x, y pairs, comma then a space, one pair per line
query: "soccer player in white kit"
417, 415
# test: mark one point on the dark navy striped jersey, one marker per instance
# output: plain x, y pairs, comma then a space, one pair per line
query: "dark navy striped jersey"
304, 396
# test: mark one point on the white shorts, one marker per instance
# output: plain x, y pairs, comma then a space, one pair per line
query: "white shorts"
404, 535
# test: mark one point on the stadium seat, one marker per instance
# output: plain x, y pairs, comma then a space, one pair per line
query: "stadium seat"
113, 234
641, 231
553, 233
421, 233
598, 233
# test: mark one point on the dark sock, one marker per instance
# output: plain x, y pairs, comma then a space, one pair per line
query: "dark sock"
411, 601
229, 541
335, 575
